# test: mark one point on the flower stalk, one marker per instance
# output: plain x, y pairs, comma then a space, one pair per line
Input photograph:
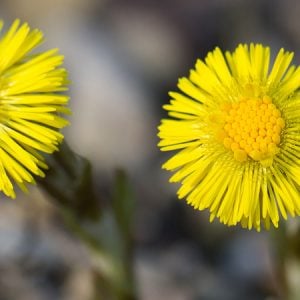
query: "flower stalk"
106, 230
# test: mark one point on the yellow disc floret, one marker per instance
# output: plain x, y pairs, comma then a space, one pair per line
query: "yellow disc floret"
252, 129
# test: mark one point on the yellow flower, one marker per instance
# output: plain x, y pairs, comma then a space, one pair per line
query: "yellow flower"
237, 126
30, 106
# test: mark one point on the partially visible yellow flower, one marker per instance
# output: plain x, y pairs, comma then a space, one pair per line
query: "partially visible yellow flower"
237, 126
30, 106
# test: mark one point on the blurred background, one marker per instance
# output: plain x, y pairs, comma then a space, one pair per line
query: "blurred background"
123, 57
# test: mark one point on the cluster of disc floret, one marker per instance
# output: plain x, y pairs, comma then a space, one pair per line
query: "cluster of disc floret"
251, 128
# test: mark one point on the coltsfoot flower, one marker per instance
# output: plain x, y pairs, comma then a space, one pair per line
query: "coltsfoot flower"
236, 125
30, 106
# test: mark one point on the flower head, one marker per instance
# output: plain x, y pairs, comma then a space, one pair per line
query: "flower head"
30, 106
236, 127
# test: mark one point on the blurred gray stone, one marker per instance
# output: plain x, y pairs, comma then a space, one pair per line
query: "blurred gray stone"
39, 259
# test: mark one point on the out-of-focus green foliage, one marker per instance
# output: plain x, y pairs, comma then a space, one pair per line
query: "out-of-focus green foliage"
107, 233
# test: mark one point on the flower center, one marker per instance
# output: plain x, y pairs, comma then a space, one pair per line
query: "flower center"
252, 129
